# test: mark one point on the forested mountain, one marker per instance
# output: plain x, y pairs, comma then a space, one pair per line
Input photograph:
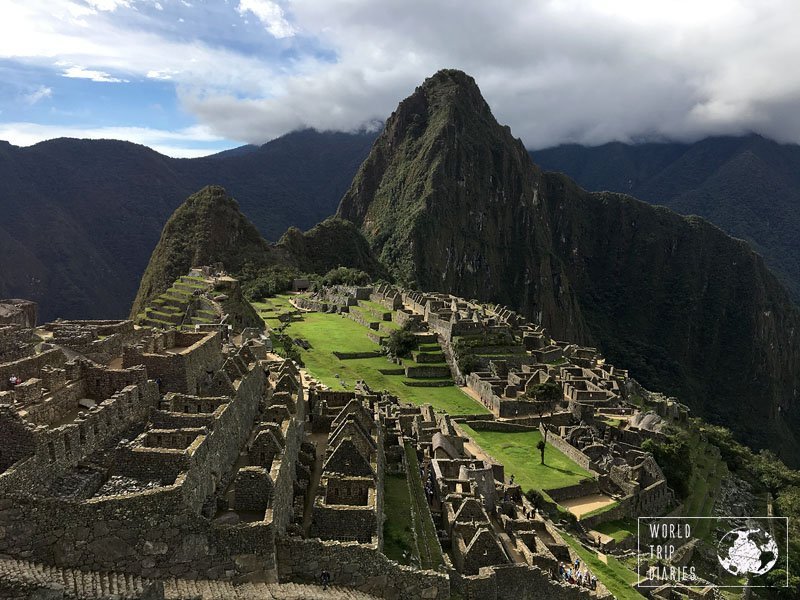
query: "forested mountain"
81, 217
749, 186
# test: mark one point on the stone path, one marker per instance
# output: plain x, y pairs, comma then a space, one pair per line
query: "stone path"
183, 589
93, 585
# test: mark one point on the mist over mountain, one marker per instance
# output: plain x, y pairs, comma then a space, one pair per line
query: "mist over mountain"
81, 217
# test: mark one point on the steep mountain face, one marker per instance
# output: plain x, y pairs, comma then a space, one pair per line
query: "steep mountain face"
206, 229
209, 229
450, 201
80, 217
749, 186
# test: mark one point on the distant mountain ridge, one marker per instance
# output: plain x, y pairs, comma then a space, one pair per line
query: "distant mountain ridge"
450, 201
81, 217
748, 186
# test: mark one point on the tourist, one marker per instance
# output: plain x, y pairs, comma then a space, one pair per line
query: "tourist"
325, 578
511, 481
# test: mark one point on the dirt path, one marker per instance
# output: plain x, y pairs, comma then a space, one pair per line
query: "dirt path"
586, 504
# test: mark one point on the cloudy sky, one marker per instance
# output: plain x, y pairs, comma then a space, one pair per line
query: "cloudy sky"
190, 77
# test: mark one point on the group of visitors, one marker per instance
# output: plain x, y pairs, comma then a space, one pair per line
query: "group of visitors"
575, 574
14, 380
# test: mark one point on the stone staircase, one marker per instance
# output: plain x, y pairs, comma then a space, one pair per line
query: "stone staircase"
183, 589
24, 579
172, 308
72, 583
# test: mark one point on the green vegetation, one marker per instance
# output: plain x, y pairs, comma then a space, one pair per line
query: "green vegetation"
207, 228
398, 535
427, 542
266, 281
614, 575
600, 511
327, 333
345, 276
674, 458
517, 451
401, 342
618, 530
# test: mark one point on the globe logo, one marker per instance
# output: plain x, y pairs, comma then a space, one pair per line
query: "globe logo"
745, 550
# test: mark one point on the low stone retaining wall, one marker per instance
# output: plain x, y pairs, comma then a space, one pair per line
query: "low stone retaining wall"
357, 566
620, 511
486, 425
421, 372
430, 384
353, 355
584, 488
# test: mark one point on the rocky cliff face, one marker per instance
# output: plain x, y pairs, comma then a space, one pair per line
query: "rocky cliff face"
449, 200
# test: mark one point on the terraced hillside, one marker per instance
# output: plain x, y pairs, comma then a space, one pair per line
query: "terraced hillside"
196, 300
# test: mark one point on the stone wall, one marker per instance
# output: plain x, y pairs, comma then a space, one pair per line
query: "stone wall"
15, 343
520, 582
31, 367
183, 371
252, 489
487, 425
357, 566
63, 447
584, 488
569, 450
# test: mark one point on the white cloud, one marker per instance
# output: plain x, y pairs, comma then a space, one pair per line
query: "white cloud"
561, 71
557, 71
184, 143
76, 72
271, 16
163, 75
108, 5
38, 94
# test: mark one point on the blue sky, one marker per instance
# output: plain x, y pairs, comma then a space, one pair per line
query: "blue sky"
190, 77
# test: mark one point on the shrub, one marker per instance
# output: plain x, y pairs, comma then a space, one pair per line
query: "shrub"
401, 342
346, 276
674, 458
468, 362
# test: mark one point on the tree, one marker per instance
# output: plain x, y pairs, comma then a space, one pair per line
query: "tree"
674, 457
401, 342
541, 445
345, 276
468, 362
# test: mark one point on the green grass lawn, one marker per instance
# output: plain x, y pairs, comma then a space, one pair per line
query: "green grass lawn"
614, 575
427, 542
328, 332
618, 530
517, 451
398, 535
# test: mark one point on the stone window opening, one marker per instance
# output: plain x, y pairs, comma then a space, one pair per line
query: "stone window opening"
82, 435
51, 451
67, 446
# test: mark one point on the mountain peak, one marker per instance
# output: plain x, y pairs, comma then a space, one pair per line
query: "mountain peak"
208, 228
